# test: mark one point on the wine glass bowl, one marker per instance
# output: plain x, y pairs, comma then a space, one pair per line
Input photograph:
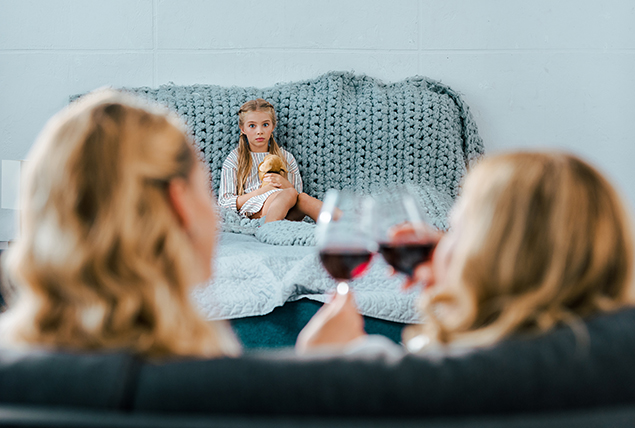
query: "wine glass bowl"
402, 230
343, 237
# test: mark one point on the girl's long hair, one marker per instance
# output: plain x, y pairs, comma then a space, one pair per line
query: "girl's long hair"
244, 152
544, 239
102, 261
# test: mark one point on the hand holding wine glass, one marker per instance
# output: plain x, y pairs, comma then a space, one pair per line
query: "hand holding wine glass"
346, 249
343, 237
337, 323
401, 228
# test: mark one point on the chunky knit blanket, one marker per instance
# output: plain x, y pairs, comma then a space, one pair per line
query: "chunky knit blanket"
260, 267
345, 131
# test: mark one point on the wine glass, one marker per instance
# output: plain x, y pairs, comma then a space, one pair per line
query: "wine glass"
344, 237
402, 229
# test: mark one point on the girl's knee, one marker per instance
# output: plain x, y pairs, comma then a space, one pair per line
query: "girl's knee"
291, 194
287, 198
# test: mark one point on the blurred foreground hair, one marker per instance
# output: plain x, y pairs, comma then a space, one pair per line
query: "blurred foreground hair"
102, 261
544, 239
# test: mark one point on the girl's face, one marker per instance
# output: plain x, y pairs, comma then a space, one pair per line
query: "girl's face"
258, 127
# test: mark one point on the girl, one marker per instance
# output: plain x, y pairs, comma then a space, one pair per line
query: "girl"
117, 226
240, 188
537, 240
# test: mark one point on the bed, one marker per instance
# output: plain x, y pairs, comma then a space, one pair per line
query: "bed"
345, 131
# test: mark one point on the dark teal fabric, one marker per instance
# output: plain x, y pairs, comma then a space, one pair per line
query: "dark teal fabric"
280, 328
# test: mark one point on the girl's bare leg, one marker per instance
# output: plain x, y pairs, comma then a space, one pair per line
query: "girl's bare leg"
265, 206
295, 214
306, 205
277, 208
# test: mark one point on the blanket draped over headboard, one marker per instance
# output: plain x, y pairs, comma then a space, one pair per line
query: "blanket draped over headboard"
345, 130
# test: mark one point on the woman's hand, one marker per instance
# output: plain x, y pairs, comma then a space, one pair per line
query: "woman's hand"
276, 180
336, 323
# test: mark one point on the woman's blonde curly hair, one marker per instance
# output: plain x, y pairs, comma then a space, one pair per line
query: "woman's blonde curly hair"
544, 239
102, 261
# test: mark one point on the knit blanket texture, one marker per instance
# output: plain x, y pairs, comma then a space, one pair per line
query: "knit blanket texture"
345, 131
259, 267
253, 278
436, 205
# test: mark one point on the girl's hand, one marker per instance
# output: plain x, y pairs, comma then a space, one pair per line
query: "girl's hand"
336, 323
276, 180
267, 187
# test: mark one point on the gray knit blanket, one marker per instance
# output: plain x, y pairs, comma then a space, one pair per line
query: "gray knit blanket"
259, 267
345, 131
436, 205
253, 278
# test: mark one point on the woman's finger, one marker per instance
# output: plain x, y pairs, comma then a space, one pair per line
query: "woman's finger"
336, 323
424, 274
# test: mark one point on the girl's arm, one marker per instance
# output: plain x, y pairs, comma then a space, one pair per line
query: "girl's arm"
240, 200
279, 182
294, 172
227, 189
227, 196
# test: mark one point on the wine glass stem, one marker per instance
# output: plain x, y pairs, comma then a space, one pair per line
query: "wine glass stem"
342, 288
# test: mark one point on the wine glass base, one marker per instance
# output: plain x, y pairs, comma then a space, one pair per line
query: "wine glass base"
342, 288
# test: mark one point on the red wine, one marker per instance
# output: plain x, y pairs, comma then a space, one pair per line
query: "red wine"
345, 263
404, 257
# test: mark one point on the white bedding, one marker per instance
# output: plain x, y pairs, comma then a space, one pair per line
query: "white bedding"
253, 278
259, 267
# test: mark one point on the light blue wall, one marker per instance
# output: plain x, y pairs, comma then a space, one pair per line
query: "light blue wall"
536, 73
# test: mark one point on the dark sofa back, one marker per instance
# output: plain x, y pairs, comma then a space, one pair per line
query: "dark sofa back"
551, 373
40, 377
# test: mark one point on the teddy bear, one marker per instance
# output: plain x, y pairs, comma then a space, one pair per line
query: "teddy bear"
274, 164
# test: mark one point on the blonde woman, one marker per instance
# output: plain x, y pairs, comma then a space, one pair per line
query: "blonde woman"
117, 225
537, 240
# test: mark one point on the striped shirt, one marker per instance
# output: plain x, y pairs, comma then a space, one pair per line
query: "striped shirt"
227, 190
